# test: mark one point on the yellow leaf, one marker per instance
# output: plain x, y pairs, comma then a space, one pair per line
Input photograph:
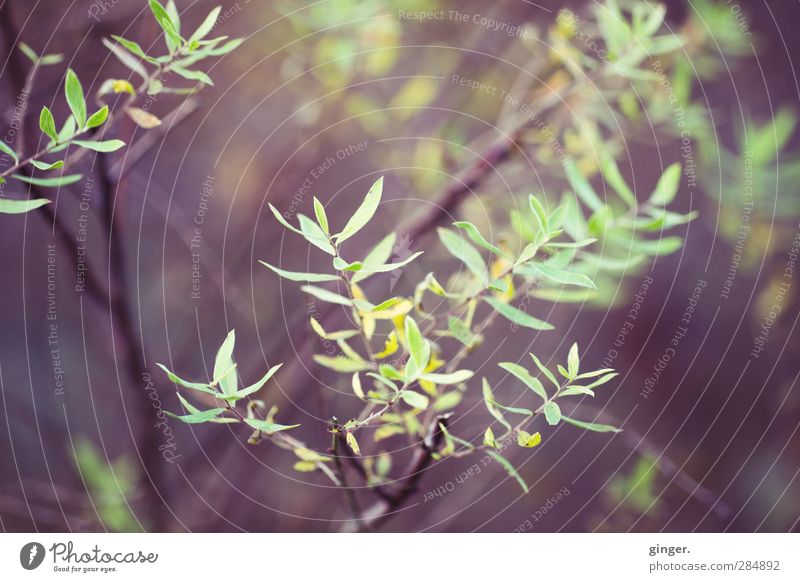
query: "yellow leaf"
304, 466
352, 443
390, 346
413, 95
142, 118
122, 86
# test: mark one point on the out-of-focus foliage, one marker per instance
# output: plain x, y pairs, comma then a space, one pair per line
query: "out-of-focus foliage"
110, 485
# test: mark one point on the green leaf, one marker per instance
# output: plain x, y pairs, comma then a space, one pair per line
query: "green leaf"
45, 166
49, 182
474, 234
488, 438
385, 381
376, 257
312, 232
663, 246
319, 211
447, 401
581, 186
388, 304
202, 387
591, 425
51, 59
528, 253
561, 276
357, 390
68, 130
98, 118
387, 431
457, 377
391, 266
547, 373
167, 25
352, 443
192, 75
132, 46
282, 220
414, 399
573, 361
552, 412
6, 149
298, 276
74, 93
110, 145
509, 468
527, 440
571, 245
575, 389
516, 316
540, 214
419, 349
206, 26
488, 399
514, 409
29, 52
125, 57
21, 206
594, 373
602, 380
48, 124
266, 426
464, 252
325, 295
523, 374
335, 335
613, 176
227, 380
341, 363
460, 330
195, 415
258, 385
667, 186
364, 213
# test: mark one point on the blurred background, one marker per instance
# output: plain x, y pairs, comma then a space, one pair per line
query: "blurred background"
153, 258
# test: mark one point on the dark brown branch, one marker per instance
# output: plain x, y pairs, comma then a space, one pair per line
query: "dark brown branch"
377, 515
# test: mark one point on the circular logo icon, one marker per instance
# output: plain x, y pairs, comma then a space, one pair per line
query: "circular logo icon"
31, 555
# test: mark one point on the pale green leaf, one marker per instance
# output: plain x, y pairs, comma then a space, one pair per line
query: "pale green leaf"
266, 426
258, 385
21, 206
47, 124
509, 468
298, 276
465, 252
457, 377
325, 295
474, 234
364, 213
110, 145
74, 93
49, 182
322, 217
377, 256
523, 375
517, 316
667, 186
223, 362
552, 412
591, 425
414, 399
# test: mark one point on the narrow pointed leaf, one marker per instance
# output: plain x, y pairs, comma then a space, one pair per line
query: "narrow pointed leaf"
298, 276
364, 213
